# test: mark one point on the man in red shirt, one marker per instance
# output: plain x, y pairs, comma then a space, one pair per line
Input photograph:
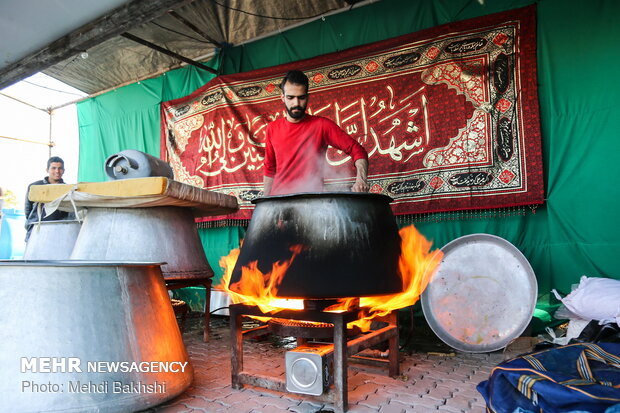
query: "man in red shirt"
295, 145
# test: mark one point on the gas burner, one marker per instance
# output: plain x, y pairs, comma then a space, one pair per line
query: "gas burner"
317, 369
285, 327
322, 304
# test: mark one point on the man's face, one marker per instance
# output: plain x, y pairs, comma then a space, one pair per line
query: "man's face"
55, 171
295, 98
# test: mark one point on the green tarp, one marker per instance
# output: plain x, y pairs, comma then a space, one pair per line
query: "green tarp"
576, 232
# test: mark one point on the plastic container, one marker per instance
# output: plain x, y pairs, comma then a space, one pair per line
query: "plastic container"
12, 234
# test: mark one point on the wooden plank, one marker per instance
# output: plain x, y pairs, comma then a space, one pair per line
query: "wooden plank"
119, 20
255, 332
394, 369
370, 361
262, 381
340, 390
370, 339
236, 349
190, 282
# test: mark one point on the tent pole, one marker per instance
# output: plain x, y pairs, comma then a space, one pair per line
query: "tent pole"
49, 112
168, 52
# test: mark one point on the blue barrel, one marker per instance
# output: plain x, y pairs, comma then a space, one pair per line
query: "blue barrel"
12, 234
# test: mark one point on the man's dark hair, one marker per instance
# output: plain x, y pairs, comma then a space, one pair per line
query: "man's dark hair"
296, 77
55, 159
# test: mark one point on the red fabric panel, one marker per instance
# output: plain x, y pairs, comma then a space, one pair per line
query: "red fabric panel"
449, 118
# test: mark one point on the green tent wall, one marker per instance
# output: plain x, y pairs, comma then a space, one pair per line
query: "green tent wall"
576, 232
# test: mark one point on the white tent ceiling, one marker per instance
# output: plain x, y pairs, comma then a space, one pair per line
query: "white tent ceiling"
96, 45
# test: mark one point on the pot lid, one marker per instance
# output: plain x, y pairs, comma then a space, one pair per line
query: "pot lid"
483, 294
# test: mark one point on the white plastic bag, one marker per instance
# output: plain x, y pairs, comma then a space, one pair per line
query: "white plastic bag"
594, 299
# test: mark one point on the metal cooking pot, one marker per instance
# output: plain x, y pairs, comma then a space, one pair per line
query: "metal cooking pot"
351, 244
162, 234
81, 312
52, 240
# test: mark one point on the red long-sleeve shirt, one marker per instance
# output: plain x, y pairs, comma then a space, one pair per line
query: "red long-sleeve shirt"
295, 152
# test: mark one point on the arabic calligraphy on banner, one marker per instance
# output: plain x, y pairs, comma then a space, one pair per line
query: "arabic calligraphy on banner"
449, 117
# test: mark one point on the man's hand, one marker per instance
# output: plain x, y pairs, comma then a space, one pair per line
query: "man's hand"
361, 180
360, 186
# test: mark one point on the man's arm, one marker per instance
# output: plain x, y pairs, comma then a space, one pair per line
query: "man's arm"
28, 204
339, 139
361, 178
267, 184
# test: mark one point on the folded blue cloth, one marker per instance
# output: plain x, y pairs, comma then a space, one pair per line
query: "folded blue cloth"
575, 378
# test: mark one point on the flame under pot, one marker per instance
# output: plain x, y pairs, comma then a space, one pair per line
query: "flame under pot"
351, 244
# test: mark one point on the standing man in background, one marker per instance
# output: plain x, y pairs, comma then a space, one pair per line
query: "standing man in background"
55, 170
295, 145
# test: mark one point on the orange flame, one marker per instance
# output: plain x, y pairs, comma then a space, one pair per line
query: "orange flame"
256, 288
417, 266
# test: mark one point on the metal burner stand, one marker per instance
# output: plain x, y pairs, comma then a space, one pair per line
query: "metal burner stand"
337, 393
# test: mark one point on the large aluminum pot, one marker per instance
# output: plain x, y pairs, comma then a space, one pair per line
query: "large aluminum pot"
61, 314
52, 240
162, 234
351, 244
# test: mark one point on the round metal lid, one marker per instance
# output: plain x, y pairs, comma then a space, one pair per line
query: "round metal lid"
483, 294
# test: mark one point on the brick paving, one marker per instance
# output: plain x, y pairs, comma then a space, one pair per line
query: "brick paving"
430, 381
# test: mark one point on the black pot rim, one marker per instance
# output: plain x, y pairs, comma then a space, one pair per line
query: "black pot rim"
312, 195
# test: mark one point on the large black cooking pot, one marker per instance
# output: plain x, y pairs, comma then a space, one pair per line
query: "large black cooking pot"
350, 244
